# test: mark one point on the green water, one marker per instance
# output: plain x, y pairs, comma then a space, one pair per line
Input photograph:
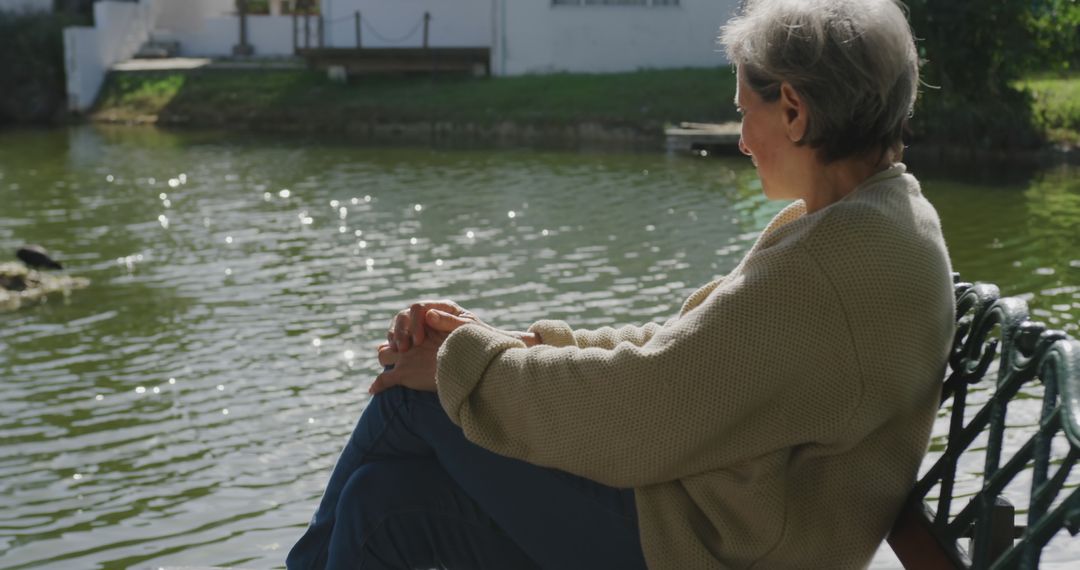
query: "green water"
186, 408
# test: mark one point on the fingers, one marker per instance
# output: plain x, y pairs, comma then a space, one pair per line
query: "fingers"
384, 381
400, 337
387, 355
407, 330
417, 314
445, 322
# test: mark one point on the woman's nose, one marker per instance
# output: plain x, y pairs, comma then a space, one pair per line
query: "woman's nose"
743, 149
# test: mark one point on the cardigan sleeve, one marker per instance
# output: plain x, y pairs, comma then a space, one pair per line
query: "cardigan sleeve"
558, 333
727, 373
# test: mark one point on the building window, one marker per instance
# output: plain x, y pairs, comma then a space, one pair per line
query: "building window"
614, 2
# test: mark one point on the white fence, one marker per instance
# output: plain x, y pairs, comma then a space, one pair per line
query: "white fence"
120, 30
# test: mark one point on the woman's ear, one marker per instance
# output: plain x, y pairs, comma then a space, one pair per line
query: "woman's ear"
794, 110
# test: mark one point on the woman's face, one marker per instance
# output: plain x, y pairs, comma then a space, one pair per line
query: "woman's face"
765, 140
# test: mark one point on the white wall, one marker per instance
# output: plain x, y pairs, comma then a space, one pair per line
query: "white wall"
187, 16
26, 6
536, 37
120, 29
84, 70
270, 35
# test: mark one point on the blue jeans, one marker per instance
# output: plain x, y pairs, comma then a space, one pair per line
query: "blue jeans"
409, 491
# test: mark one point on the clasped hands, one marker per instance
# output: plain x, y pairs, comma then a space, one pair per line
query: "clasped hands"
413, 341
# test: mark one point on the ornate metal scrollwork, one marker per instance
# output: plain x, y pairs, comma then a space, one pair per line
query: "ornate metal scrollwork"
1028, 352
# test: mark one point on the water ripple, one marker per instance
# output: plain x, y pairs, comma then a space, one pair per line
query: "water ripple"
187, 408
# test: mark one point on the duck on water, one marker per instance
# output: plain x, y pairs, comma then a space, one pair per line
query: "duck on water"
27, 281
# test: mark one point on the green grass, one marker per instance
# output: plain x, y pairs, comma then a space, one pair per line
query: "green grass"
642, 99
141, 94
1056, 105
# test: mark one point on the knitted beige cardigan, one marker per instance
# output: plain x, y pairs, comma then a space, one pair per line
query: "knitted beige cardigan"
777, 422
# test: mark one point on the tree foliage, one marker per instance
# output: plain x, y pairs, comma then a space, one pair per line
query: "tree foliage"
32, 85
974, 52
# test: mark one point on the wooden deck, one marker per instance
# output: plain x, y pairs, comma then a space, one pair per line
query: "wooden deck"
697, 137
474, 61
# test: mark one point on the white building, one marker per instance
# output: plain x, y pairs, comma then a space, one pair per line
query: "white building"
524, 36
26, 5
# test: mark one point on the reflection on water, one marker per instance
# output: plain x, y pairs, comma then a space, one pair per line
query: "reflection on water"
187, 408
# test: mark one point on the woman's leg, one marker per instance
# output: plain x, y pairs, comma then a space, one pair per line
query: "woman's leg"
558, 520
395, 514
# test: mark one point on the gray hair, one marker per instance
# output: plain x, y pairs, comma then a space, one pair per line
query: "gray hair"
852, 61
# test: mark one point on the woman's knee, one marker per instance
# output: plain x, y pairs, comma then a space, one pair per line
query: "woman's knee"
368, 495
381, 488
382, 513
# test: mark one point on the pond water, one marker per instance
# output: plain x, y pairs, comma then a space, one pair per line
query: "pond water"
186, 408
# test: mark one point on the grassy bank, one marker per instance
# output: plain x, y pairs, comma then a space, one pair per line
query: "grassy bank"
267, 98
289, 100
1056, 106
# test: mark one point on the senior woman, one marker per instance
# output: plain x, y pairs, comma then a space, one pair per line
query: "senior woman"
776, 422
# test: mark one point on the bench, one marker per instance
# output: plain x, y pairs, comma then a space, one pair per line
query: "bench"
928, 532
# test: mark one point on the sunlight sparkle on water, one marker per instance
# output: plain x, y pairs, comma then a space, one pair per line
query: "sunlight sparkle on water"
418, 207
363, 244
343, 212
511, 214
174, 182
439, 262
99, 397
349, 355
140, 390
182, 178
228, 239
284, 193
172, 380
164, 221
316, 342
413, 241
470, 234
334, 203
157, 389
109, 178
163, 196
267, 196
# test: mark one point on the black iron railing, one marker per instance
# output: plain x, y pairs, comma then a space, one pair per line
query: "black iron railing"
989, 326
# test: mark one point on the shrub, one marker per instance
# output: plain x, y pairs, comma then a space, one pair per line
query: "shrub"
974, 53
32, 86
